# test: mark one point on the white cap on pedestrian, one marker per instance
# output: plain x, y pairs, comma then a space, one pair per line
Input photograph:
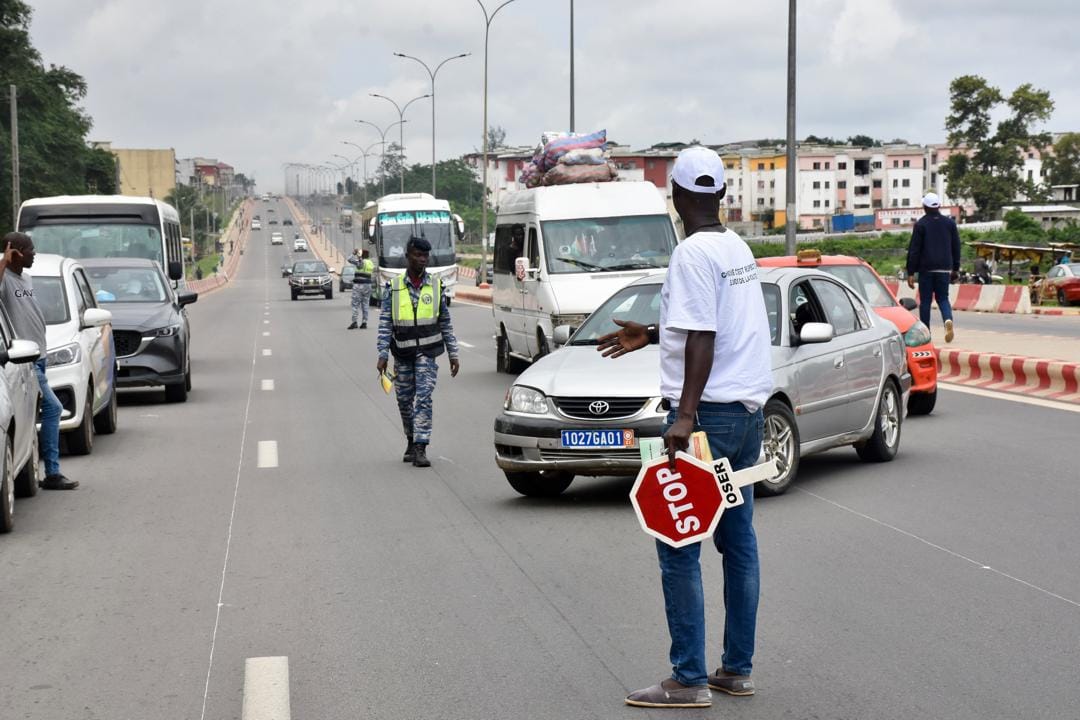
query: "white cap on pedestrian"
699, 169
931, 200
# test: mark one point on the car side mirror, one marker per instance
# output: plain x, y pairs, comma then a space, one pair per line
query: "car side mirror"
96, 317
908, 303
288, 271
186, 297
460, 226
814, 332
20, 352
562, 334
176, 270
371, 230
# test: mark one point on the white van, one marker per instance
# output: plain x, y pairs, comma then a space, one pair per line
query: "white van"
562, 250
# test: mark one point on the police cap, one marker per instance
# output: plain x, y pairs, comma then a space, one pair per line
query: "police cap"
419, 244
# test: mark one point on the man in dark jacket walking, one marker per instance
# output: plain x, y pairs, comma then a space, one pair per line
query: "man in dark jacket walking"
934, 254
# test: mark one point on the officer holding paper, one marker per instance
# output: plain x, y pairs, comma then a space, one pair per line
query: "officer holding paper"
715, 376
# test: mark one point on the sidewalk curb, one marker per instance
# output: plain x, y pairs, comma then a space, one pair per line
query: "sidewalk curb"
222, 279
477, 296
1047, 379
1055, 311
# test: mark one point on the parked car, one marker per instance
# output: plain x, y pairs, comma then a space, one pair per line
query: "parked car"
20, 469
299, 245
839, 372
311, 277
1062, 283
150, 324
348, 273
921, 355
81, 353
276, 238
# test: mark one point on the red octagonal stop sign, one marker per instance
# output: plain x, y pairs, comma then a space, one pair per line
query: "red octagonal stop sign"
680, 506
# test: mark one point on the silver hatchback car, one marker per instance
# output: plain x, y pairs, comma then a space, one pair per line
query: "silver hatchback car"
839, 373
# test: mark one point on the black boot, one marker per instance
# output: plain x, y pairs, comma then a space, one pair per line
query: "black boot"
352, 327
410, 453
420, 456
363, 325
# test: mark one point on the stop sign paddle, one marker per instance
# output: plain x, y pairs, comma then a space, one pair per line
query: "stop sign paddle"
684, 505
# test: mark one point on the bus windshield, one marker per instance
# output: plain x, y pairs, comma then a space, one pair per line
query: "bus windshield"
397, 227
608, 244
98, 240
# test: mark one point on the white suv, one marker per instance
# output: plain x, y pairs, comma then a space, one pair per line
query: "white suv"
299, 245
276, 238
81, 355
19, 395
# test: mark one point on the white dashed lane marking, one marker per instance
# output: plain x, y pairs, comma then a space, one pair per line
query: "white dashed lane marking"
464, 344
266, 333
266, 689
267, 384
268, 454
267, 352
266, 322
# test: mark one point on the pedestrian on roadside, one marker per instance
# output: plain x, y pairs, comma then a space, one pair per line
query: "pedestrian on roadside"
415, 327
715, 377
361, 288
934, 254
17, 296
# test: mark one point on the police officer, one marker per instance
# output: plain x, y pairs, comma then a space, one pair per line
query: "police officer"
361, 288
415, 326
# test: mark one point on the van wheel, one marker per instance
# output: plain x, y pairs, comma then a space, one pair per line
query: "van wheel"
547, 483
7, 491
105, 421
26, 482
80, 441
542, 346
504, 361
781, 442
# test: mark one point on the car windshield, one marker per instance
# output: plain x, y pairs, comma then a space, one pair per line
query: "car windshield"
51, 298
608, 244
432, 225
865, 282
127, 284
89, 240
311, 266
640, 303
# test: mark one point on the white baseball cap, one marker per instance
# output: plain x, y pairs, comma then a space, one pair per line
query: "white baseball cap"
698, 163
931, 200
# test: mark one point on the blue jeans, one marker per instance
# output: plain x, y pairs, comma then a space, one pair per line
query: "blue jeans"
736, 434
934, 284
49, 436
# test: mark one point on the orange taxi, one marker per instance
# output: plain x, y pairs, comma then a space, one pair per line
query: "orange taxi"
921, 357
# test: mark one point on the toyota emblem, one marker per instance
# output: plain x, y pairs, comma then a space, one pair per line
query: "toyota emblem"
599, 407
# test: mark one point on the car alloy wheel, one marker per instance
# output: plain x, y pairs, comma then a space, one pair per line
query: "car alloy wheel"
780, 441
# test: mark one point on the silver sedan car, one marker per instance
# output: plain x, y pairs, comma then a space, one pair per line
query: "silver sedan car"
839, 372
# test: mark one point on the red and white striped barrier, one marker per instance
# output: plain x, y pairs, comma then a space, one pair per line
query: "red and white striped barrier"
1013, 299
1048, 379
465, 271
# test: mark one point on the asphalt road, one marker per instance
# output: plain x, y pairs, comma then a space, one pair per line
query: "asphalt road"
944, 584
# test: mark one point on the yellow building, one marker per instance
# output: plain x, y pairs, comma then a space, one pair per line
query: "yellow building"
144, 172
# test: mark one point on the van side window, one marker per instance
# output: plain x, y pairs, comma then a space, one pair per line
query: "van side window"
509, 246
534, 249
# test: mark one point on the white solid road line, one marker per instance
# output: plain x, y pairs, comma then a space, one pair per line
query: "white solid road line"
268, 454
266, 689
267, 384
1013, 397
267, 352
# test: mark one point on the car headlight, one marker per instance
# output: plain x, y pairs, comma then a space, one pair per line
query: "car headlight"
167, 331
65, 355
918, 334
526, 400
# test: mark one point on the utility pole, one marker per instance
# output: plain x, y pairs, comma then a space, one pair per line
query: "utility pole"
15, 196
791, 217
571, 65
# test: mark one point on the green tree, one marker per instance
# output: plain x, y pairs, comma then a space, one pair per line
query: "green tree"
496, 137
863, 141
1023, 228
988, 168
1063, 166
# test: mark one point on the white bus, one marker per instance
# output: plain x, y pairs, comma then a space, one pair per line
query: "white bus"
390, 221
98, 226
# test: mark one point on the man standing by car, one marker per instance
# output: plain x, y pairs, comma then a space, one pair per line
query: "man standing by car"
715, 376
934, 253
361, 288
17, 295
415, 326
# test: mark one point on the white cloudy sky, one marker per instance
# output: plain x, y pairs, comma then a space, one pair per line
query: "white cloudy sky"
258, 84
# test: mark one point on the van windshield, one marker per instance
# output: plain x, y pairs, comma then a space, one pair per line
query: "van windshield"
608, 244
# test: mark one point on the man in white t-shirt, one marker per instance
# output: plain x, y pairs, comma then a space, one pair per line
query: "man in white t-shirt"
715, 375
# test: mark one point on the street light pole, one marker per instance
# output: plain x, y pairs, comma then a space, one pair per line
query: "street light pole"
401, 128
364, 154
382, 135
483, 199
790, 217
432, 74
571, 65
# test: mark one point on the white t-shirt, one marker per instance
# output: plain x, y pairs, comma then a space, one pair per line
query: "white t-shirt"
712, 284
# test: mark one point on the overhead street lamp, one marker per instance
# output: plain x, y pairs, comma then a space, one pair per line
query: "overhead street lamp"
791, 215
382, 136
484, 202
401, 128
432, 74
364, 154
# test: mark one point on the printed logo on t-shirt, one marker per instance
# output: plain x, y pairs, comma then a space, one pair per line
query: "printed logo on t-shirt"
20, 293
740, 275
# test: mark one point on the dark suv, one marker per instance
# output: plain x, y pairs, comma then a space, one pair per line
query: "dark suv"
311, 277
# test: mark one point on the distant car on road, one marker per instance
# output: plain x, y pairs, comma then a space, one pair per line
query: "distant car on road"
150, 324
81, 352
490, 274
839, 373
1062, 283
20, 470
273, 221
286, 269
287, 221
300, 245
921, 354
256, 224
311, 277
348, 273
277, 238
